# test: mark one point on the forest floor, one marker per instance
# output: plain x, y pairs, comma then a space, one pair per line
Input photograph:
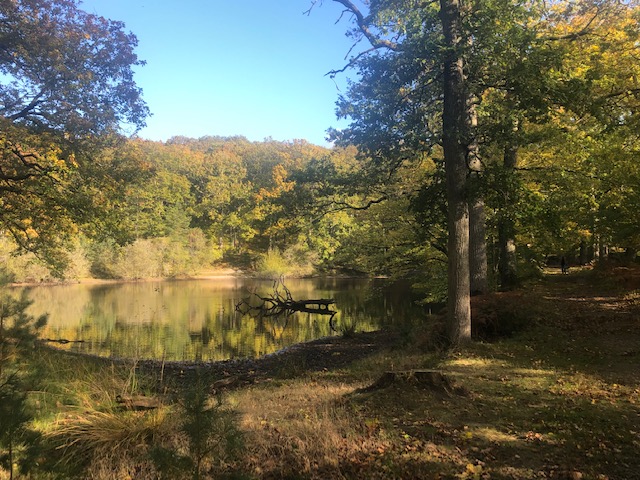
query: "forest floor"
552, 391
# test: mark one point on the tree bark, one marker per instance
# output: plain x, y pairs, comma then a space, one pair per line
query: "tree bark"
630, 254
433, 380
584, 252
507, 264
478, 264
603, 251
455, 141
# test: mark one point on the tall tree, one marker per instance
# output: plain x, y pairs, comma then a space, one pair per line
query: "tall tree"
455, 142
556, 76
65, 70
66, 82
419, 95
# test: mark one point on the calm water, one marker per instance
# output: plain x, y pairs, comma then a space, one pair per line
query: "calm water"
197, 319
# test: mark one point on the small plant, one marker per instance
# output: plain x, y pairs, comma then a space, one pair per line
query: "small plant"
13, 417
348, 330
18, 333
210, 435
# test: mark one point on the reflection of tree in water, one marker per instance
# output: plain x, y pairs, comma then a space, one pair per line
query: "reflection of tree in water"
203, 336
276, 325
189, 320
280, 305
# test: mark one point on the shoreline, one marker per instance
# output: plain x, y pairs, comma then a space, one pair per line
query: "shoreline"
205, 275
321, 354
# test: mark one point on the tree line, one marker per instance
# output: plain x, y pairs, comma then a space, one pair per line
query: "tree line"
536, 100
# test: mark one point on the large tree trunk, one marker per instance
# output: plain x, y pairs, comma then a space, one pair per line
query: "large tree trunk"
630, 254
478, 247
455, 141
478, 264
584, 252
507, 265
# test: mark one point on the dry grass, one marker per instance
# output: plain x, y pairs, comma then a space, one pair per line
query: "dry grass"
110, 444
84, 430
87, 434
632, 297
559, 399
303, 427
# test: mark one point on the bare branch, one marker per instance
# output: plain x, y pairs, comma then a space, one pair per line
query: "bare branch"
366, 206
352, 62
363, 26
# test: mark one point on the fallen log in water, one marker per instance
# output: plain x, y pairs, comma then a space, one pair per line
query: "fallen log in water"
61, 341
283, 304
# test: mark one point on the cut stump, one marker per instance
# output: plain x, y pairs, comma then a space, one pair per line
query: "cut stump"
433, 380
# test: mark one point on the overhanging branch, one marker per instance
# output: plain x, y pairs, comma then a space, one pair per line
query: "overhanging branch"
363, 25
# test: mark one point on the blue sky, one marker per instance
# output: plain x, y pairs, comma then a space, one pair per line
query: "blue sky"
231, 67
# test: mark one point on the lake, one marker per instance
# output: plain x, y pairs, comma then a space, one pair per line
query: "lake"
196, 320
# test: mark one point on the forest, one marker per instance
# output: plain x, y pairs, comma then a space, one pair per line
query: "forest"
554, 144
487, 142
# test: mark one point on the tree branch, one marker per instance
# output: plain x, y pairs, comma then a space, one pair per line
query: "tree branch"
33, 104
366, 206
352, 62
363, 26
575, 35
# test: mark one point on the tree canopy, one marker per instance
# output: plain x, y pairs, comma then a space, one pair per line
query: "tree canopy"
476, 84
66, 86
546, 142
67, 71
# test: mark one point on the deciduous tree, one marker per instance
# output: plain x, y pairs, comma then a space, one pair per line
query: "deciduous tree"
416, 94
66, 83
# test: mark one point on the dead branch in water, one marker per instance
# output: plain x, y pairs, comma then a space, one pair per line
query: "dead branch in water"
282, 304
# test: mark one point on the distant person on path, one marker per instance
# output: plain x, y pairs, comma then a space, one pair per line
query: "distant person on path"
563, 265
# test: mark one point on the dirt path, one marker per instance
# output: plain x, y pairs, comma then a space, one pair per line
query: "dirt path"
598, 316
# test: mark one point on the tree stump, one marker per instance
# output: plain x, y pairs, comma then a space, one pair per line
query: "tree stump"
433, 380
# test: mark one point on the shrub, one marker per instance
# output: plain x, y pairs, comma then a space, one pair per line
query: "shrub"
210, 434
295, 261
18, 333
273, 265
141, 259
107, 443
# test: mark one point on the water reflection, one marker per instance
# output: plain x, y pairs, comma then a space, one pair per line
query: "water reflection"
197, 320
